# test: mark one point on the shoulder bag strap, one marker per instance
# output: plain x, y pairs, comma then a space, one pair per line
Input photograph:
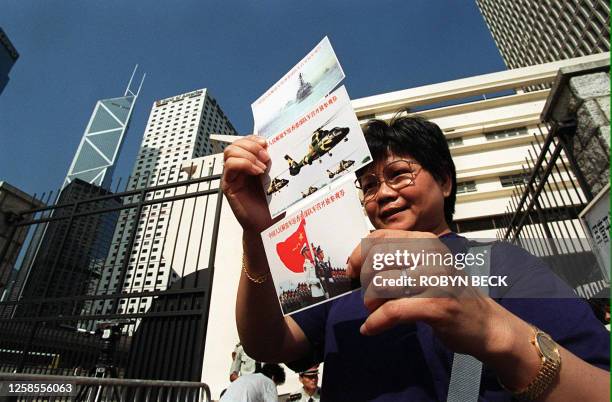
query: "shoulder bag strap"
466, 372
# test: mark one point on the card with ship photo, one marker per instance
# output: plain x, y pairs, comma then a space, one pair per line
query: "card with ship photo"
307, 262
315, 149
315, 76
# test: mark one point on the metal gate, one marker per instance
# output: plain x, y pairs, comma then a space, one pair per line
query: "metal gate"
115, 283
542, 215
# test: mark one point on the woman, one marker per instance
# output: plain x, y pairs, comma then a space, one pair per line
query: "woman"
402, 349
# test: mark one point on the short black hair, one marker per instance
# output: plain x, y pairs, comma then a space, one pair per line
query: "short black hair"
419, 138
274, 372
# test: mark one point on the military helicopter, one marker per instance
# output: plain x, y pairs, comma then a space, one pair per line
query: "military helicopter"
310, 190
321, 143
276, 185
344, 164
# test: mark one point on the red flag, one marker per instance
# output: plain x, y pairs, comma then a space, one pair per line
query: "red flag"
290, 251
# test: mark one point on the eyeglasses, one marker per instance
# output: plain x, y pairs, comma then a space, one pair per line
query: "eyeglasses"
397, 175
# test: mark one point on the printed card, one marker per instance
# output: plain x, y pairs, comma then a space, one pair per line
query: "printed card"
307, 259
315, 76
323, 144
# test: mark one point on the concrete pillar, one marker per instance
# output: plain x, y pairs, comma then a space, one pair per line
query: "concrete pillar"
581, 94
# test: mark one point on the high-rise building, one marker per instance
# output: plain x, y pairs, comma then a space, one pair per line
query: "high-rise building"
531, 32
178, 130
65, 256
95, 158
8, 57
72, 251
13, 202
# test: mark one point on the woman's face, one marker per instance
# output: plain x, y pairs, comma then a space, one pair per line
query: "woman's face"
418, 206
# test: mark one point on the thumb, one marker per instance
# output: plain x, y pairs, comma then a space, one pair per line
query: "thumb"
394, 312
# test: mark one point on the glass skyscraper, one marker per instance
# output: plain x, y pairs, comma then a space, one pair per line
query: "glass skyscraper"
95, 158
66, 255
8, 56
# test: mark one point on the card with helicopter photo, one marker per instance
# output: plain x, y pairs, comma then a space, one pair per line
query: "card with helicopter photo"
319, 146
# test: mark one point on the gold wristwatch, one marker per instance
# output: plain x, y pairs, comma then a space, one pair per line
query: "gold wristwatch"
551, 365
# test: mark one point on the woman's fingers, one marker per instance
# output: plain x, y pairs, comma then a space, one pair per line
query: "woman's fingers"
354, 262
390, 284
395, 311
234, 166
245, 156
362, 251
238, 152
258, 139
252, 144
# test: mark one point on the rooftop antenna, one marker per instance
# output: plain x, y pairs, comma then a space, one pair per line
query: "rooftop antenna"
128, 89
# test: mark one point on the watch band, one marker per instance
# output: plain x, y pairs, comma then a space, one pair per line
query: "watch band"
551, 365
541, 382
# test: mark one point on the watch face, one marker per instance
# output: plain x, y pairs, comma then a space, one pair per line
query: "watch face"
547, 346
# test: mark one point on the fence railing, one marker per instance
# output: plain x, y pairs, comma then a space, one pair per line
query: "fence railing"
542, 215
115, 281
88, 389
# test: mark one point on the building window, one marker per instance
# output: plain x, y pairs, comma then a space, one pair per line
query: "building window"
513, 179
453, 142
511, 132
466, 187
484, 223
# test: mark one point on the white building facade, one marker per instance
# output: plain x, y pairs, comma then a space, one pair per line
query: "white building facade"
489, 124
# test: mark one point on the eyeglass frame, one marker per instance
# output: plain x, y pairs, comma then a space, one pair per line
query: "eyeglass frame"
386, 181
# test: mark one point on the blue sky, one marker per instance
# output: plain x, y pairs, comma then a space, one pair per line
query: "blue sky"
74, 52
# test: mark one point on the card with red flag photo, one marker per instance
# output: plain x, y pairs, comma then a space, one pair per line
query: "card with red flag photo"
307, 251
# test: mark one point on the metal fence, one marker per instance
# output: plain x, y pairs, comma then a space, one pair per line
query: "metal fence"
87, 389
542, 215
115, 284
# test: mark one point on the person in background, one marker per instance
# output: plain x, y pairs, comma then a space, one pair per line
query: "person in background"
256, 387
310, 391
241, 363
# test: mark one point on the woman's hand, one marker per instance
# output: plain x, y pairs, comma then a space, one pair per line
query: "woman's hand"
465, 319
244, 160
